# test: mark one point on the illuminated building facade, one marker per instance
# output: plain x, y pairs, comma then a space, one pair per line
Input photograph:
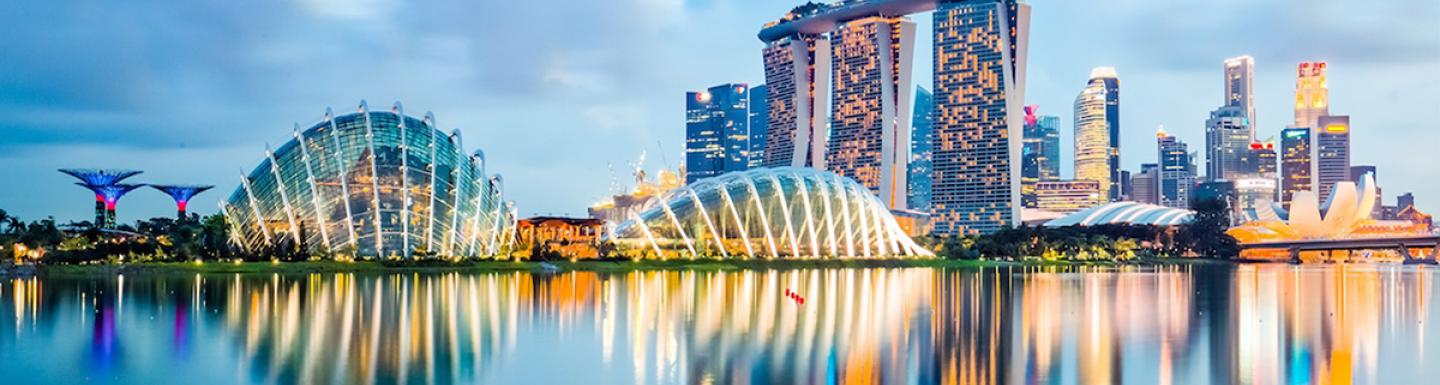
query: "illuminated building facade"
181, 194
569, 238
797, 71
717, 133
759, 124
1253, 199
1227, 143
105, 184
1240, 84
1039, 153
1332, 153
1295, 163
870, 118
1177, 174
788, 212
979, 83
1312, 94
922, 139
1096, 131
1067, 196
372, 184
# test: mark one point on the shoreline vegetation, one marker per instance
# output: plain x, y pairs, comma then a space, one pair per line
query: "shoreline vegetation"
598, 266
201, 245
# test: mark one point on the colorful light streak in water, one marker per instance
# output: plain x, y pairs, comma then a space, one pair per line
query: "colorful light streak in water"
1251, 324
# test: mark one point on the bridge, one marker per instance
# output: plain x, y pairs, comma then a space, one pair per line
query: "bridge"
1403, 244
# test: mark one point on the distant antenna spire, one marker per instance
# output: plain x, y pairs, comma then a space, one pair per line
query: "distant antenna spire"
663, 159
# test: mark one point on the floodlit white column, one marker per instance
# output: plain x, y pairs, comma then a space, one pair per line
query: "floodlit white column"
695, 198
764, 220
284, 198
374, 181
255, 209
314, 190
744, 236
789, 225
343, 175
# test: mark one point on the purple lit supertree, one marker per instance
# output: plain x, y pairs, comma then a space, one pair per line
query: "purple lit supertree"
96, 180
181, 194
109, 195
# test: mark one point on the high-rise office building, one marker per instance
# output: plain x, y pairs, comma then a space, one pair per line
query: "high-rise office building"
717, 134
1097, 132
1312, 94
870, 118
980, 56
1295, 163
1039, 154
1332, 153
1176, 171
797, 73
1261, 161
1227, 143
1240, 85
759, 125
1145, 184
921, 140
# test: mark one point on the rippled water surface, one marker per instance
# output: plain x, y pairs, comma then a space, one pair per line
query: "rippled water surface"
1253, 324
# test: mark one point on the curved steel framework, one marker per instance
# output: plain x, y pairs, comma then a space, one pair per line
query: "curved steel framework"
789, 212
1125, 213
372, 184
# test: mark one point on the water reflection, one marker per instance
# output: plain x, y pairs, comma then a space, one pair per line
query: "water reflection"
1251, 324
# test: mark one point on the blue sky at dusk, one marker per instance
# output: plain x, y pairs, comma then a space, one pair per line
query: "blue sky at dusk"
553, 90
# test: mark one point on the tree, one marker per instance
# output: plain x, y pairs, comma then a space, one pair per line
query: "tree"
1205, 235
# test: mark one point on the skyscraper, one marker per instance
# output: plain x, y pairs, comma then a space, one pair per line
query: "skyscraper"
1295, 163
1332, 153
1312, 94
870, 127
1176, 171
1097, 132
717, 135
759, 124
980, 51
797, 71
1039, 154
1145, 184
921, 140
1239, 85
1227, 143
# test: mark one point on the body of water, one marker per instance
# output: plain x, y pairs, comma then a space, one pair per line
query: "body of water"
1245, 324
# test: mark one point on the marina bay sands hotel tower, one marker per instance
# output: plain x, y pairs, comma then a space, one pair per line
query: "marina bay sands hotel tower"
840, 99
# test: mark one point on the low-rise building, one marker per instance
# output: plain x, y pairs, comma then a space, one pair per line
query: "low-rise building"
569, 238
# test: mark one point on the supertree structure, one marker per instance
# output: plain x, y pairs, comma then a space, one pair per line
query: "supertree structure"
98, 181
181, 194
110, 195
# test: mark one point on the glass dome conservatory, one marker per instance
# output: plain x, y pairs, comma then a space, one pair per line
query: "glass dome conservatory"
783, 212
372, 184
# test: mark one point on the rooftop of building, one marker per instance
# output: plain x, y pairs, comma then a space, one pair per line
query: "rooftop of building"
816, 18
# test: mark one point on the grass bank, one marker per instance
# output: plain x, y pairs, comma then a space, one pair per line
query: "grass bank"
540, 267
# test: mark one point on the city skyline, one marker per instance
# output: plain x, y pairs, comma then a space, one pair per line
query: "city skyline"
139, 117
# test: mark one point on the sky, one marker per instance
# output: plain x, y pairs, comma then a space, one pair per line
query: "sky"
559, 92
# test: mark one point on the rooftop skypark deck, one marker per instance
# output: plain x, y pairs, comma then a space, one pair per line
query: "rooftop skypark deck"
819, 18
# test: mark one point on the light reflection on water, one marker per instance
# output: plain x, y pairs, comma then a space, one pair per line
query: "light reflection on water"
1253, 324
